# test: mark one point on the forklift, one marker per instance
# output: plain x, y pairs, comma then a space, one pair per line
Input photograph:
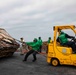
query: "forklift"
58, 54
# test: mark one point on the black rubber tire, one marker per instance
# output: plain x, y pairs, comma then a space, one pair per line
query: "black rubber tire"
54, 62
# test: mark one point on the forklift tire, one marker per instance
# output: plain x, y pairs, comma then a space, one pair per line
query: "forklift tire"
54, 62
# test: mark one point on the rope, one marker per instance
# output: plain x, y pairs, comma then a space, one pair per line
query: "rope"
41, 54
36, 51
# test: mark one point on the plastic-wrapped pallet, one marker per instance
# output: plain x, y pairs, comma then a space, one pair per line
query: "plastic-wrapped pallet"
8, 45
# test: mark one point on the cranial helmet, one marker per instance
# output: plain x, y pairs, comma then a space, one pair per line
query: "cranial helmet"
35, 39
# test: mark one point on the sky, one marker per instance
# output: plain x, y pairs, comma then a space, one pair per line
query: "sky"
33, 18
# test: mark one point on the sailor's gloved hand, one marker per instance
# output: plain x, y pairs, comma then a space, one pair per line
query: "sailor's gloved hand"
29, 47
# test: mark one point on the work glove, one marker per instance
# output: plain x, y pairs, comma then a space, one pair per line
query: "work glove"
29, 47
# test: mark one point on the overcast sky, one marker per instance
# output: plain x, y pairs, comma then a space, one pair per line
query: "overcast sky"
33, 18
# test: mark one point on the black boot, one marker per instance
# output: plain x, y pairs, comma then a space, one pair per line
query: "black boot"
24, 60
33, 60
